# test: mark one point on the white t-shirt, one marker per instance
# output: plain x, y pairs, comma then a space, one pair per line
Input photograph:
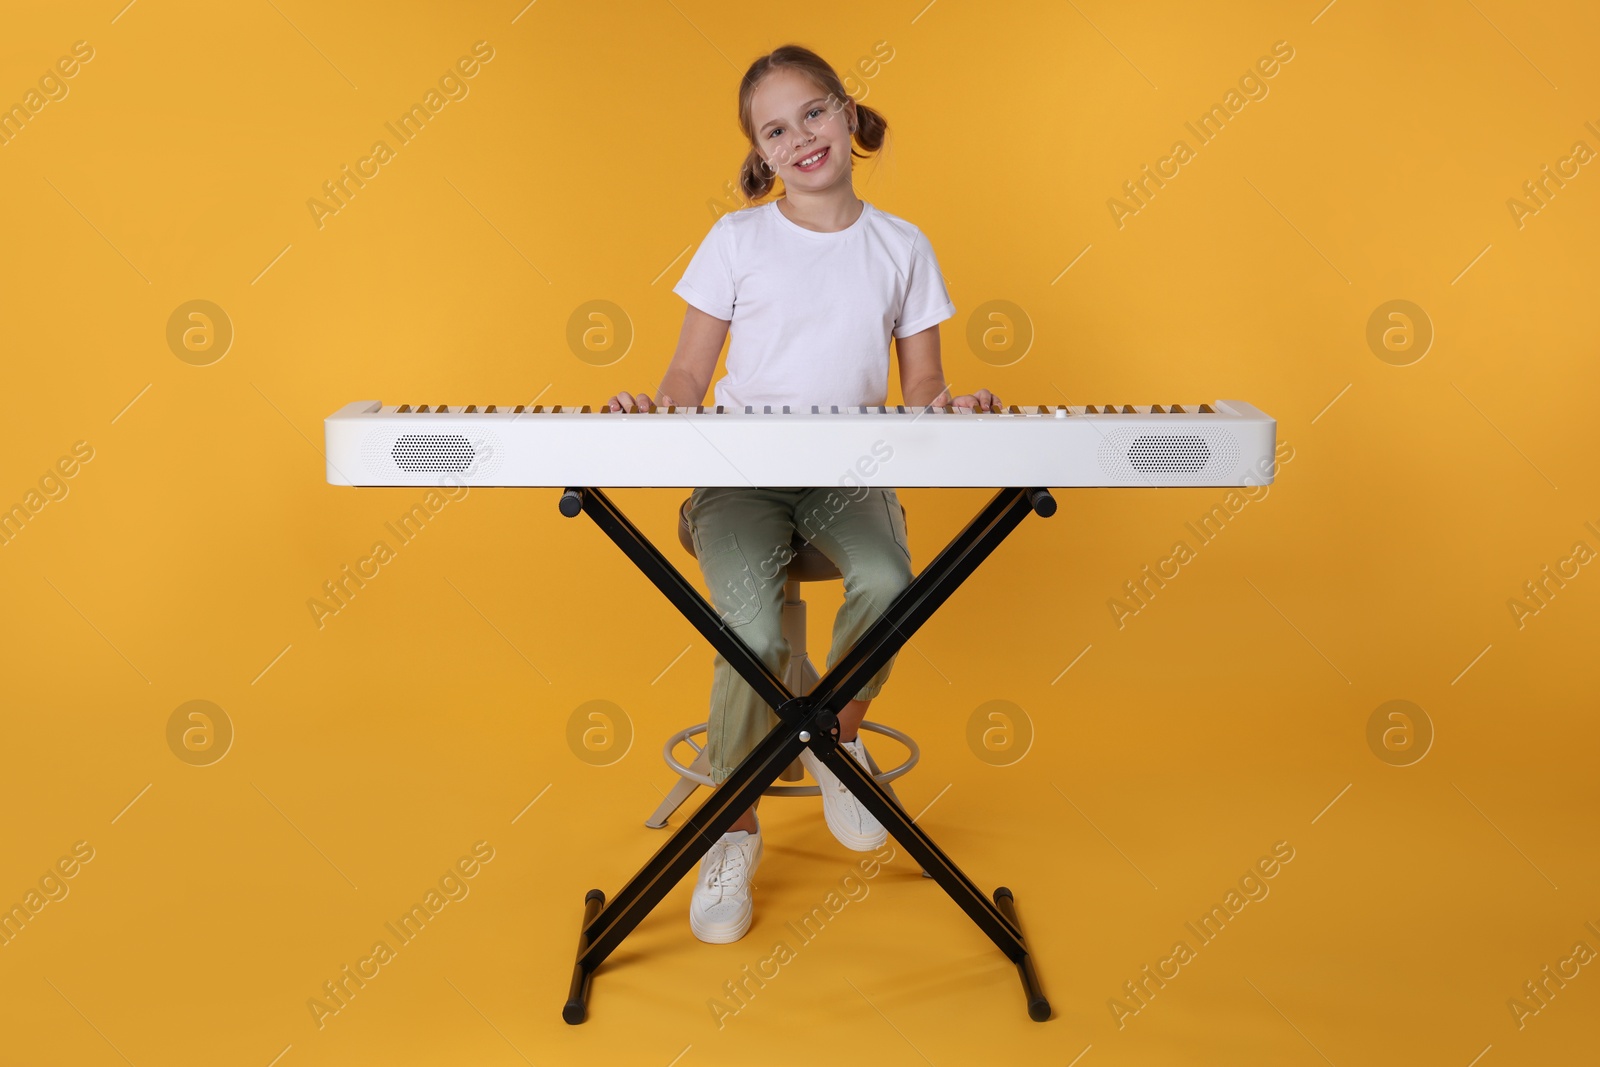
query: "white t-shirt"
812, 312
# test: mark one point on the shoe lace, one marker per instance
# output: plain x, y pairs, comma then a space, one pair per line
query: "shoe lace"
726, 869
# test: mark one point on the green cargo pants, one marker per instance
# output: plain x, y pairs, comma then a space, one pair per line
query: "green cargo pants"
741, 539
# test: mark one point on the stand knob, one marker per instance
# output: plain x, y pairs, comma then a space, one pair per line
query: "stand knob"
805, 735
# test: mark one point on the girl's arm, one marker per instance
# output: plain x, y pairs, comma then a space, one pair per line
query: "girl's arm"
922, 375
689, 374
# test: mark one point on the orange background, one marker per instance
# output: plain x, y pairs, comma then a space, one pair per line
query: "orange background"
1230, 713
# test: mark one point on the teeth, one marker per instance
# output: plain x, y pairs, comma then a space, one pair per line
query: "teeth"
812, 159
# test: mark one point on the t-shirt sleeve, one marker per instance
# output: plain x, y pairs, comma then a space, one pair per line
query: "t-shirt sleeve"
927, 301
707, 281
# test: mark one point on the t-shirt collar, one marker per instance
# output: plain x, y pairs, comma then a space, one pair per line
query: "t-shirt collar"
784, 220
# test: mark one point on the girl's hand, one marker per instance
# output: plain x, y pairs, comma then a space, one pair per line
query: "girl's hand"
642, 402
983, 401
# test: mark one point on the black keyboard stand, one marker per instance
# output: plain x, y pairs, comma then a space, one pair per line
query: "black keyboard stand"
804, 721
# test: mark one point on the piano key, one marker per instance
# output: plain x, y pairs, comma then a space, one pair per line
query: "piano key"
403, 409
1205, 409
1155, 409
471, 408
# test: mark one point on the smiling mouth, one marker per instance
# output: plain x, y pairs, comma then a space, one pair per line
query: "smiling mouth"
816, 160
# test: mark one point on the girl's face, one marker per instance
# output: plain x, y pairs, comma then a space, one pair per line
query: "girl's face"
795, 121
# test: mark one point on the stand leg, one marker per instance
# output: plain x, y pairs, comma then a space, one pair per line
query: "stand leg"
1038, 1006
605, 931
577, 1006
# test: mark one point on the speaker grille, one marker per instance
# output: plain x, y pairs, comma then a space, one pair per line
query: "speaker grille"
431, 453
1168, 454
1141, 456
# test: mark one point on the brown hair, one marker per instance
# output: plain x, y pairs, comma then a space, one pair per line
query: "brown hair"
756, 178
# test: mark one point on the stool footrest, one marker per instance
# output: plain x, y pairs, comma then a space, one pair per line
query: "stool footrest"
696, 773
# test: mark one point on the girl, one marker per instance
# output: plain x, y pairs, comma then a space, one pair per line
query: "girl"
814, 284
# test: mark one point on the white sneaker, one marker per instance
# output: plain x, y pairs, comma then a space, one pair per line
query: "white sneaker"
854, 826
720, 909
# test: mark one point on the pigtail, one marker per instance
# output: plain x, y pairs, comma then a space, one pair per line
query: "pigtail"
871, 128
756, 178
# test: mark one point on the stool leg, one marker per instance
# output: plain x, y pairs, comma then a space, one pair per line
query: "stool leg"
680, 792
808, 675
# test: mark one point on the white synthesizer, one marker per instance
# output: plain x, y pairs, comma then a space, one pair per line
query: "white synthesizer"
1221, 443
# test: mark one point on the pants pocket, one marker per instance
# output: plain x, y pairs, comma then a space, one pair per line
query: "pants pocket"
897, 521
735, 592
